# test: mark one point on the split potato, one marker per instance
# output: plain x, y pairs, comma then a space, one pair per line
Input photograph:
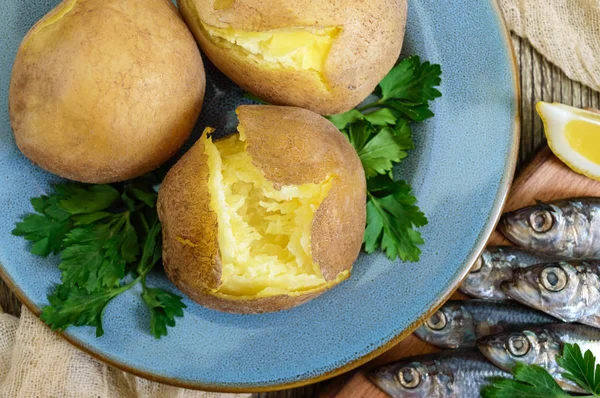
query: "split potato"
326, 56
267, 218
106, 90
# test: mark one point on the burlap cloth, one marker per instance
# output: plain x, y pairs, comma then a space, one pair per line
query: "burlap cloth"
566, 32
36, 363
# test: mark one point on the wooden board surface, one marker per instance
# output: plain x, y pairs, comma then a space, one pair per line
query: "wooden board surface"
546, 178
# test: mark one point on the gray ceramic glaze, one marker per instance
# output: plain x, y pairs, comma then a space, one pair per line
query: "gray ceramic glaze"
460, 172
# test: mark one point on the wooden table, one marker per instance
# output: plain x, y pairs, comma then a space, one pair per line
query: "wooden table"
540, 80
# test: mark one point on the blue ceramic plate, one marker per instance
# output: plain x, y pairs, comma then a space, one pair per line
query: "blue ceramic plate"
460, 171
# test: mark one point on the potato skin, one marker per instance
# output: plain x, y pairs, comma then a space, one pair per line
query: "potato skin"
362, 54
291, 146
108, 91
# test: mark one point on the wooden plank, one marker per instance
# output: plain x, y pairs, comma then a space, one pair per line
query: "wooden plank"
547, 81
538, 84
525, 57
8, 301
576, 87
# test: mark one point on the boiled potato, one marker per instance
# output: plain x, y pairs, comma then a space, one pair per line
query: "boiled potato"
267, 218
323, 55
106, 90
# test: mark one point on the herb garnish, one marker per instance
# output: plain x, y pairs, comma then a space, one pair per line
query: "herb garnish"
535, 381
108, 238
381, 134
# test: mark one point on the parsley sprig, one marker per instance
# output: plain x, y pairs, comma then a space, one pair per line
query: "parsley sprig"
534, 381
380, 131
109, 239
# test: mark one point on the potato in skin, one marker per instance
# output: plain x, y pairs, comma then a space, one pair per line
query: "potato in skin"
292, 146
106, 90
362, 54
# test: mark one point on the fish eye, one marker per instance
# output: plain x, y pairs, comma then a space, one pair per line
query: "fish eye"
541, 221
518, 345
409, 378
554, 278
437, 321
477, 266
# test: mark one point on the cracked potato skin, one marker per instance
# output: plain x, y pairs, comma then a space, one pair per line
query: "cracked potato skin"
108, 91
362, 54
291, 146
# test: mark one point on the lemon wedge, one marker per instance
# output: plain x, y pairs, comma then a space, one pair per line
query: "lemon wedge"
574, 136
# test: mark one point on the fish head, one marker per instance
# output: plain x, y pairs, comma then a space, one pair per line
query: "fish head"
565, 290
535, 346
451, 326
540, 228
413, 379
484, 278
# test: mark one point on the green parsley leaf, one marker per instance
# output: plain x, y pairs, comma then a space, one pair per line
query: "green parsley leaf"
130, 248
381, 134
96, 255
78, 199
47, 233
105, 236
384, 149
381, 117
359, 133
86, 219
79, 307
391, 220
152, 250
342, 120
147, 197
92, 258
534, 381
581, 369
164, 307
412, 81
531, 381
416, 113
39, 204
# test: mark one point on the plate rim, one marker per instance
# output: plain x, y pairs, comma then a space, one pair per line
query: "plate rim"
491, 223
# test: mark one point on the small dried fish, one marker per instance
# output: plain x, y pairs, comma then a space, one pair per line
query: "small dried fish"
568, 228
568, 290
448, 374
458, 324
495, 266
540, 345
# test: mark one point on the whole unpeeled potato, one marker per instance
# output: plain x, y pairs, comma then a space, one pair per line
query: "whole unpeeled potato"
106, 90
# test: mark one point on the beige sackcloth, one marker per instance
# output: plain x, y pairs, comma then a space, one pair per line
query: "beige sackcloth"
566, 32
36, 363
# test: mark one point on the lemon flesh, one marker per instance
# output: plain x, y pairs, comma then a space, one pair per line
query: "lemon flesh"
574, 136
584, 138
264, 232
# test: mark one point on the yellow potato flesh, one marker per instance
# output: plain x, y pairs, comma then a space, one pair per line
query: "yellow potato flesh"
264, 233
67, 8
223, 4
296, 48
584, 138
